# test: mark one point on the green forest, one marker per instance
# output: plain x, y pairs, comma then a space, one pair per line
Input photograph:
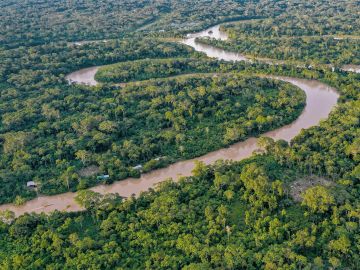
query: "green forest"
116, 129
146, 69
291, 205
36, 22
311, 50
314, 35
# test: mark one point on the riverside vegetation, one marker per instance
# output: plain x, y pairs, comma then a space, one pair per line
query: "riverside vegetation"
174, 119
314, 35
229, 215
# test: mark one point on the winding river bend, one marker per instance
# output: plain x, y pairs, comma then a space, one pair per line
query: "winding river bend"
320, 99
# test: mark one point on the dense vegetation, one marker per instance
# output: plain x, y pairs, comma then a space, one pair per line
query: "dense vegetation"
312, 50
35, 22
152, 68
117, 129
207, 218
304, 20
293, 206
29, 69
37, 103
306, 32
228, 216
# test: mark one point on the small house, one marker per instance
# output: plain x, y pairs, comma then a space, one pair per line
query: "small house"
137, 167
31, 184
103, 177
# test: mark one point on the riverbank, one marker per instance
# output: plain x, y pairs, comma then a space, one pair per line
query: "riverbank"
320, 100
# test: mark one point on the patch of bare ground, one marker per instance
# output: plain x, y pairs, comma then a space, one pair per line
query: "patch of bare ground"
89, 171
298, 187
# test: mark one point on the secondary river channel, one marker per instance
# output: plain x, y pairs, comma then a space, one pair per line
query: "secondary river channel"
320, 100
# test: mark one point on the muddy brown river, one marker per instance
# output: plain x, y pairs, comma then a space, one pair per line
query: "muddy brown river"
320, 100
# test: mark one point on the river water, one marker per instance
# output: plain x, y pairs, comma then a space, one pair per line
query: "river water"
320, 100
84, 76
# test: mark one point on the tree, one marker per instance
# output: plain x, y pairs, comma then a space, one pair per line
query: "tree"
49, 112
84, 156
7, 216
108, 126
69, 176
266, 143
88, 199
341, 245
16, 141
199, 168
229, 194
318, 199
233, 134
19, 200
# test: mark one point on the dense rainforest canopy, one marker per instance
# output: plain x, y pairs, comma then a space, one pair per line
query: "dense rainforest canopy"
307, 33
294, 205
34, 22
117, 129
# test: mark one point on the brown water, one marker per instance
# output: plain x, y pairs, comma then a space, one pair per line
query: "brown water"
83, 76
86, 75
320, 99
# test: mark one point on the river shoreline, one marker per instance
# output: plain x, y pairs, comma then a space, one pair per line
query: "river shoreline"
320, 100
87, 75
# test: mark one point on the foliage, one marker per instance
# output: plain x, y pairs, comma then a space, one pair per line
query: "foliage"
192, 224
118, 129
313, 32
230, 215
152, 68
314, 50
36, 22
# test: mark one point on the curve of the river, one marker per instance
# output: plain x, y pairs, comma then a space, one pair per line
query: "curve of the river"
87, 75
320, 99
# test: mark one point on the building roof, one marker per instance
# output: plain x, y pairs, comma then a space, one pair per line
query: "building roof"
104, 176
31, 184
